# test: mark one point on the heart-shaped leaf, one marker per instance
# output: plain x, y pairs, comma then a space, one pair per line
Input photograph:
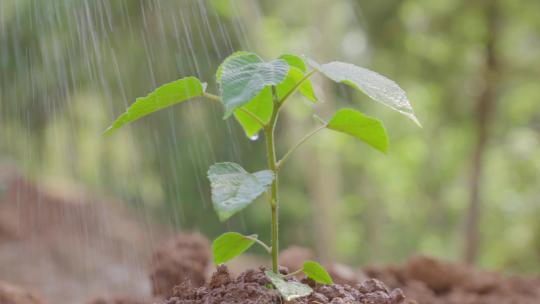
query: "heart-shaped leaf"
219, 70
376, 86
289, 290
244, 76
165, 96
262, 104
230, 245
368, 129
233, 188
316, 272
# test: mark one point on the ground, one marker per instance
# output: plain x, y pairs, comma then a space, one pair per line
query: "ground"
69, 248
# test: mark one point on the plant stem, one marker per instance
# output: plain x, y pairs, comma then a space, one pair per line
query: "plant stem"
273, 198
297, 145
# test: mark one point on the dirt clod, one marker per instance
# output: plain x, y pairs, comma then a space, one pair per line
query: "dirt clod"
185, 257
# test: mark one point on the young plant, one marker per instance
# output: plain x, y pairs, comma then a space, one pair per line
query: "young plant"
254, 92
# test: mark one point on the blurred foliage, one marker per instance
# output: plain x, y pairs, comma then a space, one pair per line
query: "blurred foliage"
69, 67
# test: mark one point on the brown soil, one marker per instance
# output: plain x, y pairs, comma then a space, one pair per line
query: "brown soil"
183, 258
117, 300
10, 294
251, 288
432, 281
72, 246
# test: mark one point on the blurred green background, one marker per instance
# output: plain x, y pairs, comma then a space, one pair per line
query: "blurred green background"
470, 68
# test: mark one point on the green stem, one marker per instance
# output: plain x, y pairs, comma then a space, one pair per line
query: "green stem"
273, 198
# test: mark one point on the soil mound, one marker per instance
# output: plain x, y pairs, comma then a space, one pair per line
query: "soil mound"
185, 257
70, 245
10, 294
431, 281
250, 288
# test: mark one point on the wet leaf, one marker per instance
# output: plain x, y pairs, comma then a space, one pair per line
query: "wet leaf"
376, 86
262, 105
244, 76
219, 70
230, 245
289, 290
316, 272
165, 96
233, 188
368, 129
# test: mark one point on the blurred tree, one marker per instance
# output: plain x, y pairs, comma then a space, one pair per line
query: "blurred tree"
485, 107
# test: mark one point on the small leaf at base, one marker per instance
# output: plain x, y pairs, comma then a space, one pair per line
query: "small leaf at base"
289, 290
230, 245
317, 273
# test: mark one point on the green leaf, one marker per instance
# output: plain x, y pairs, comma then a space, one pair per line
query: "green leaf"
261, 106
165, 96
368, 129
230, 245
289, 290
376, 86
244, 76
219, 71
316, 272
293, 77
294, 61
233, 188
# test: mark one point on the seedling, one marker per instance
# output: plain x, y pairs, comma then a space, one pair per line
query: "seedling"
254, 92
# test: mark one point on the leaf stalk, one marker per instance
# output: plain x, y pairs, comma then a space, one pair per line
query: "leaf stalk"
297, 145
266, 247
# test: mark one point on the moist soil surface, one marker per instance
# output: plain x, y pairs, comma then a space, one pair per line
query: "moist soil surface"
251, 287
